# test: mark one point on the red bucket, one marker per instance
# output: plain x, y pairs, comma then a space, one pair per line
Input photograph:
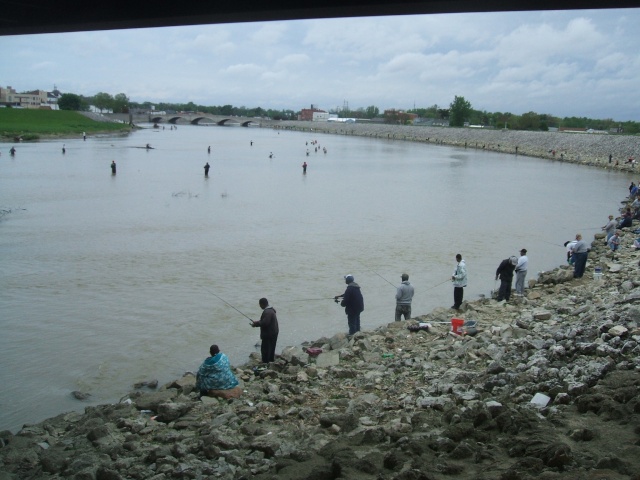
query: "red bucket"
456, 325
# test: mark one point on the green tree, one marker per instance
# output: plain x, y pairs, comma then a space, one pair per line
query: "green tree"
443, 113
529, 121
120, 103
459, 111
372, 111
70, 101
102, 101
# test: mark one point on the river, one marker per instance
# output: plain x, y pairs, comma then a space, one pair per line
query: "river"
107, 280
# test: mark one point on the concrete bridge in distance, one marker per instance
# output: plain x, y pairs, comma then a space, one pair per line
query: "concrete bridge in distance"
188, 119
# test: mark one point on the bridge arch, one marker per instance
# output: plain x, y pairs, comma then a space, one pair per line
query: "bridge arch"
196, 121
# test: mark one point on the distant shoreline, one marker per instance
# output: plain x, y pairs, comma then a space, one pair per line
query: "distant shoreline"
579, 148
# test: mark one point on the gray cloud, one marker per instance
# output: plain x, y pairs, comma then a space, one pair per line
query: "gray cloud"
582, 63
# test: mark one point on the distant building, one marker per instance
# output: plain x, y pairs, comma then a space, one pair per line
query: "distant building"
399, 116
33, 99
320, 116
313, 115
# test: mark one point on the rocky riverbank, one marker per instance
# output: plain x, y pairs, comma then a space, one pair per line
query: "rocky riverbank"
548, 388
581, 148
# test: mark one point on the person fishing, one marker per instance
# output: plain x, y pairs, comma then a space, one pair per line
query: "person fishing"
304, 167
404, 295
521, 271
580, 253
459, 279
353, 303
269, 330
206, 169
505, 274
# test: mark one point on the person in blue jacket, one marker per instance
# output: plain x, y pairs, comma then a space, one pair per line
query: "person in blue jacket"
215, 373
353, 303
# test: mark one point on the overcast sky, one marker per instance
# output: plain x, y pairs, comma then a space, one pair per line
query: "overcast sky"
568, 63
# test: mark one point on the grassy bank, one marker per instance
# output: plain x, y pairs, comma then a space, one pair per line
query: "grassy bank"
33, 124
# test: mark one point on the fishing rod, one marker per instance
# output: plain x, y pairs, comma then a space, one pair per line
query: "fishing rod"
541, 240
447, 280
220, 298
313, 299
550, 243
370, 269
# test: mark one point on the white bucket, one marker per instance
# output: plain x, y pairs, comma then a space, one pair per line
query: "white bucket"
597, 274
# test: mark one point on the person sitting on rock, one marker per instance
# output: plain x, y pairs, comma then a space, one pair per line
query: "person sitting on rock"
627, 220
215, 378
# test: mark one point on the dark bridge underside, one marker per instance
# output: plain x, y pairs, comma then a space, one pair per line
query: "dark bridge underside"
45, 16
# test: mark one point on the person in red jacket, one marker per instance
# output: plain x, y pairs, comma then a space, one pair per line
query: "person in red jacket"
269, 330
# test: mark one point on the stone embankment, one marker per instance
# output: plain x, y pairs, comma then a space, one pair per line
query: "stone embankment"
581, 148
548, 388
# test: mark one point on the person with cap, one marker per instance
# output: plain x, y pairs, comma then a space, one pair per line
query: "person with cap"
459, 279
215, 373
269, 331
404, 295
505, 274
521, 271
353, 303
610, 228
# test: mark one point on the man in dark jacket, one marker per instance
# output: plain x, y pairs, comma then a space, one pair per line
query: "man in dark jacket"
505, 273
353, 303
269, 330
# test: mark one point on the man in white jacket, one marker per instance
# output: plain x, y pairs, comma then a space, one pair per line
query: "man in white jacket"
521, 271
459, 279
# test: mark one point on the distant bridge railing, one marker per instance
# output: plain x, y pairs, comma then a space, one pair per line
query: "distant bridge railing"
187, 118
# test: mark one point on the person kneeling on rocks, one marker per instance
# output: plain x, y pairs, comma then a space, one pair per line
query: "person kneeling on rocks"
215, 378
505, 274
